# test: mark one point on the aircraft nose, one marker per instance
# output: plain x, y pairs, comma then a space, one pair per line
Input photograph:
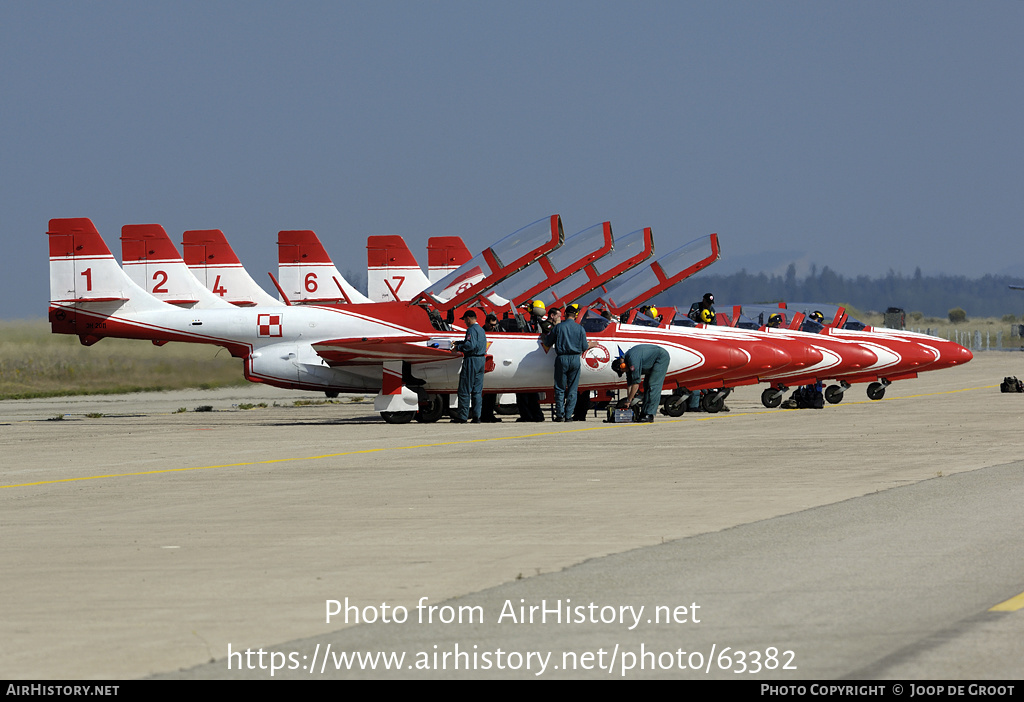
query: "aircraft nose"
951, 354
960, 355
803, 356
766, 357
857, 357
720, 358
917, 356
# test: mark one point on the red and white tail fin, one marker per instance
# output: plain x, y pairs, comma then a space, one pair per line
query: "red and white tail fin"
150, 259
444, 255
308, 275
86, 284
392, 273
214, 263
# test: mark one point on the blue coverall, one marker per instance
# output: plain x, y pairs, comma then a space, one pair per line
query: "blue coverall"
471, 377
651, 363
569, 341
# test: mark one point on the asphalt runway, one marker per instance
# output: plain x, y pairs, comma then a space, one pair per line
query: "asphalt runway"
864, 540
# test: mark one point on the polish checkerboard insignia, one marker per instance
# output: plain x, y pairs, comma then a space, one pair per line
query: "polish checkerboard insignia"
269, 324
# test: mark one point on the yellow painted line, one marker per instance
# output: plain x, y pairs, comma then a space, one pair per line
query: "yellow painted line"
1011, 605
163, 471
574, 429
943, 392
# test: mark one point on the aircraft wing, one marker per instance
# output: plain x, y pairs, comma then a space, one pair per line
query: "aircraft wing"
363, 350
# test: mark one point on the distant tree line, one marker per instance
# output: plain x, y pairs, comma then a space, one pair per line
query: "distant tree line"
934, 296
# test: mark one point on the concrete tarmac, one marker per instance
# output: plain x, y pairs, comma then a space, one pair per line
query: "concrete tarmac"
147, 541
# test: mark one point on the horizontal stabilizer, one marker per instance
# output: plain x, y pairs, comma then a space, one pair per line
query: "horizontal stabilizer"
365, 350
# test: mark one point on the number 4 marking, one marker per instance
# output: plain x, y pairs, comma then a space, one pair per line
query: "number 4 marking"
218, 288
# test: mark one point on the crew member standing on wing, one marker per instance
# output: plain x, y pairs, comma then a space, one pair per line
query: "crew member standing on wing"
650, 363
471, 376
569, 340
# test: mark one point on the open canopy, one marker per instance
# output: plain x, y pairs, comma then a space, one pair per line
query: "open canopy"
495, 264
630, 251
659, 275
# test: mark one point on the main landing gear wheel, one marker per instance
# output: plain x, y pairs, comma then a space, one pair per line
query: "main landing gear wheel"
834, 394
675, 407
713, 402
876, 391
431, 410
397, 417
771, 398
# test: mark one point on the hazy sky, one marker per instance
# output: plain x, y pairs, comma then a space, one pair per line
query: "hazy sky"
859, 135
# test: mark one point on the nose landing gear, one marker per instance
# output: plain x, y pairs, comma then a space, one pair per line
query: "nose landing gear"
876, 391
772, 397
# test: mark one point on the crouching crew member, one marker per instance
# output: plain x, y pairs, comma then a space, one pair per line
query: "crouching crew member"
471, 376
650, 363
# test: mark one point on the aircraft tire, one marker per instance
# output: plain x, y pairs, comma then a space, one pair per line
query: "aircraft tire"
771, 398
876, 391
832, 394
431, 410
675, 410
710, 404
506, 410
397, 417
331, 394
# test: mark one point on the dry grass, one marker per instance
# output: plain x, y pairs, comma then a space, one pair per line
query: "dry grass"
36, 363
989, 328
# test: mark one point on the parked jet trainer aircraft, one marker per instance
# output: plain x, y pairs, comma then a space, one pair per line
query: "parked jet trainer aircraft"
876, 357
399, 349
589, 245
901, 355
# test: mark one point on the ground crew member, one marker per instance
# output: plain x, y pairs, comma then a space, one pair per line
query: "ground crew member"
650, 363
569, 341
471, 376
490, 399
529, 402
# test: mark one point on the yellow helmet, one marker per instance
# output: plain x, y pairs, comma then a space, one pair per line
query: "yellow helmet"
775, 320
707, 316
652, 311
538, 304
